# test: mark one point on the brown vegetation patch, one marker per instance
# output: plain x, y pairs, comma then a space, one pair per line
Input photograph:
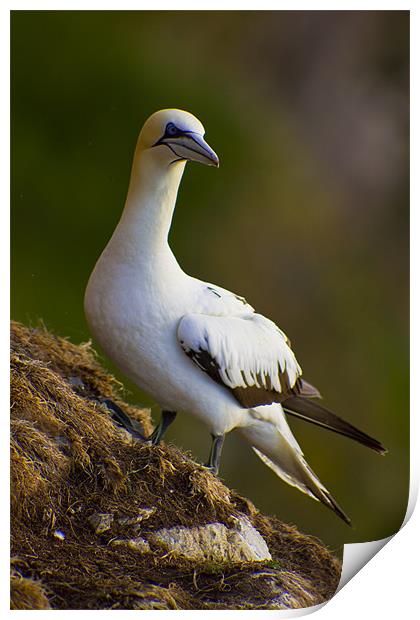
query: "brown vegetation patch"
70, 461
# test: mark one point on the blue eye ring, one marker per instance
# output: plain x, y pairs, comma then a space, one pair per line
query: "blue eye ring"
172, 130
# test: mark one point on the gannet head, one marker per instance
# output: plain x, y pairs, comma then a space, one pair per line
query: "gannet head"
175, 135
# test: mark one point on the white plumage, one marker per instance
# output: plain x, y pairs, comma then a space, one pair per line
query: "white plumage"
193, 346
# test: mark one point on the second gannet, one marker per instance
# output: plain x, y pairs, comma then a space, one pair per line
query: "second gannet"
194, 346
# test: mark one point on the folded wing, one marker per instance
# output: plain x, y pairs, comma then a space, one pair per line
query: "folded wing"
251, 356
248, 354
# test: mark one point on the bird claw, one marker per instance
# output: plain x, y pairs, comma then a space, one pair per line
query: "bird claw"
211, 468
154, 438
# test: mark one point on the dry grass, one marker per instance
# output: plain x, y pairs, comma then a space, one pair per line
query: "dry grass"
69, 461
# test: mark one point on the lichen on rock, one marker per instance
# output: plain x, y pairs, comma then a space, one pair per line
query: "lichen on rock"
135, 521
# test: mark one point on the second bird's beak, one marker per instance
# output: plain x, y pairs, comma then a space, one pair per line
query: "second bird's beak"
193, 147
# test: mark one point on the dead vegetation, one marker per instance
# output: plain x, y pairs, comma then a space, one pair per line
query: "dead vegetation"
69, 461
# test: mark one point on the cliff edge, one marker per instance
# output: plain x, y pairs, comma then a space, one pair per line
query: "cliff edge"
101, 521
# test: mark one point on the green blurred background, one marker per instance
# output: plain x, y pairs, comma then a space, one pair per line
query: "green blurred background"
307, 216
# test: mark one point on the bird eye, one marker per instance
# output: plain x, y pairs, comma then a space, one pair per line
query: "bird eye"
171, 130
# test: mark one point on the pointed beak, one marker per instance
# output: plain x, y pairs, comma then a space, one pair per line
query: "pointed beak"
193, 147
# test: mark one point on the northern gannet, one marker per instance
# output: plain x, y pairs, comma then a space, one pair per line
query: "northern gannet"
194, 346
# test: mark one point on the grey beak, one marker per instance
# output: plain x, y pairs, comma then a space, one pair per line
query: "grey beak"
193, 147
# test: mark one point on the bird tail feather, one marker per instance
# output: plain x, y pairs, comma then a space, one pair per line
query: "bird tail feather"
278, 449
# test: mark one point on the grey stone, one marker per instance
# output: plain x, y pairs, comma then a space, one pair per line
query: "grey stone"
215, 542
137, 544
101, 522
143, 514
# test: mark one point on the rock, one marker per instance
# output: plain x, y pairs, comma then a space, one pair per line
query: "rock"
143, 514
137, 544
101, 522
250, 538
215, 542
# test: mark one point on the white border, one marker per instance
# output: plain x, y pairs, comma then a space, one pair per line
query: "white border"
388, 583
214, 5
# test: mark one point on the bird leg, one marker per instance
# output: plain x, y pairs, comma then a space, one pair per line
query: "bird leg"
167, 418
122, 419
215, 453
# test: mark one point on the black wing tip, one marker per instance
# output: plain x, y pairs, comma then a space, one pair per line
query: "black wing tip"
374, 444
369, 442
317, 414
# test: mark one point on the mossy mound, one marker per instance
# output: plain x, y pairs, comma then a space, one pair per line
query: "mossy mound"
69, 462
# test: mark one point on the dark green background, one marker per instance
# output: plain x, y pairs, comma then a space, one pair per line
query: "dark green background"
307, 216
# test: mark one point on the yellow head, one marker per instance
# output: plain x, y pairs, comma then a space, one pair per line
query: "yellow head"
177, 136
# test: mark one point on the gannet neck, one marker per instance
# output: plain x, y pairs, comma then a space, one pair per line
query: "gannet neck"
142, 232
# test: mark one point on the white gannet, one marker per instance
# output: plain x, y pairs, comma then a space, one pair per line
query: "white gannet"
193, 346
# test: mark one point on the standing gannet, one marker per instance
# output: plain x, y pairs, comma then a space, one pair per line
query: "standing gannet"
193, 346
